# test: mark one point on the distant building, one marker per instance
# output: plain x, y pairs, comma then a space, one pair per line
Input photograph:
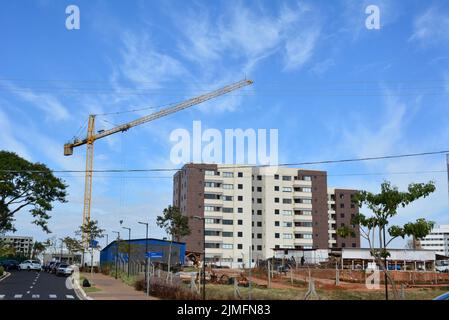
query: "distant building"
247, 207
437, 240
22, 245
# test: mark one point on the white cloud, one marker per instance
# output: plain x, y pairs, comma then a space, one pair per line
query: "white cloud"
8, 137
144, 65
431, 27
52, 106
248, 36
322, 66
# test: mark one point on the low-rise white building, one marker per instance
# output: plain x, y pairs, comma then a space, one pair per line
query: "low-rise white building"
437, 240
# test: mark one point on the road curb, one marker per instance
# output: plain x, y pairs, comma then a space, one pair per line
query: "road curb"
4, 276
80, 292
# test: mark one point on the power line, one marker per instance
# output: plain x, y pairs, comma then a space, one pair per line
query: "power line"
420, 154
329, 175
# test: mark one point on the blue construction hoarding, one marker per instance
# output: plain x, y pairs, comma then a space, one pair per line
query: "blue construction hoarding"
138, 251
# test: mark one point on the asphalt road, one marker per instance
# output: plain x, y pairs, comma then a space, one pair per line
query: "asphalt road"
32, 285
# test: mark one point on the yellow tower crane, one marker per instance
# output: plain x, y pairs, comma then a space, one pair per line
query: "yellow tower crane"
92, 136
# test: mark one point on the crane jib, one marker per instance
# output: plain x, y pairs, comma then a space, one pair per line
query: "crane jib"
161, 113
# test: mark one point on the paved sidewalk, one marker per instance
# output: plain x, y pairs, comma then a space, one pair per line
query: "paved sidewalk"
112, 289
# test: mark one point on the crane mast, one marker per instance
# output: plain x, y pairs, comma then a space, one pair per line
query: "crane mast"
92, 137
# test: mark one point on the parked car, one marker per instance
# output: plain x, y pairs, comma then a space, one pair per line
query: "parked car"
30, 265
64, 270
10, 264
444, 296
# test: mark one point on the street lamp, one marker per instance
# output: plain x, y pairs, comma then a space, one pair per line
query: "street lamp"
204, 254
129, 246
146, 249
116, 251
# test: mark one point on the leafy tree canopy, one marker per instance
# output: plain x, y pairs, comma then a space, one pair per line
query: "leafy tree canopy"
27, 185
173, 222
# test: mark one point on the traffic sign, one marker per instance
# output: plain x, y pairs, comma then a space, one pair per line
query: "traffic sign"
157, 254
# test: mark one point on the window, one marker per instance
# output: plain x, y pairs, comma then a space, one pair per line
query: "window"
239, 222
259, 223
287, 212
287, 189
228, 210
239, 198
276, 235
228, 186
211, 233
306, 189
307, 178
239, 246
259, 200
208, 184
228, 234
240, 210
342, 205
287, 224
276, 211
239, 234
287, 236
209, 173
276, 177
209, 221
228, 174
227, 198
240, 186
353, 245
343, 245
259, 212
211, 208
228, 222
259, 189
228, 246
307, 236
287, 201
259, 236
240, 174
211, 196
342, 215
341, 195
286, 178
259, 248
259, 178
276, 200
276, 223
276, 188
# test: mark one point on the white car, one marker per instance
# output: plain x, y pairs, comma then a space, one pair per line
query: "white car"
30, 265
64, 269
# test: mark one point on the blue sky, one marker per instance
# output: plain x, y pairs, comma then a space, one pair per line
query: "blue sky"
333, 88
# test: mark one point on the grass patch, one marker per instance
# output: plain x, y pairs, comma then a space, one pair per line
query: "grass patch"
91, 289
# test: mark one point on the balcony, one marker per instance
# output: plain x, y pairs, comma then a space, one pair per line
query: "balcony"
302, 183
213, 202
303, 230
307, 206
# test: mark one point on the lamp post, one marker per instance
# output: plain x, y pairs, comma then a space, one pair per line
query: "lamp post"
204, 254
129, 246
116, 252
146, 250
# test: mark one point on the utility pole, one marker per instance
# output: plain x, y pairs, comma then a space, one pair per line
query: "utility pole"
146, 252
116, 252
129, 246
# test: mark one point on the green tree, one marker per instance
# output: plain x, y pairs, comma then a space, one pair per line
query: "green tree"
91, 231
6, 250
73, 245
384, 206
38, 248
24, 184
174, 224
